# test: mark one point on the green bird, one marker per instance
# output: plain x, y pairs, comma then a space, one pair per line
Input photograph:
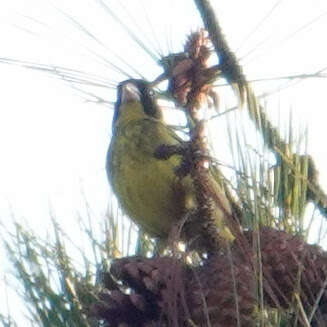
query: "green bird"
147, 188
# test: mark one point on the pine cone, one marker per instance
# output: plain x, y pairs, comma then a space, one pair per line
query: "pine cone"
290, 265
156, 284
168, 293
222, 291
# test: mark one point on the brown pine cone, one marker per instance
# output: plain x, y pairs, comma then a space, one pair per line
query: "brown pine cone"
221, 293
290, 265
166, 292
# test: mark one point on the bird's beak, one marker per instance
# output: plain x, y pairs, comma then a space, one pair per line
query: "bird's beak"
130, 93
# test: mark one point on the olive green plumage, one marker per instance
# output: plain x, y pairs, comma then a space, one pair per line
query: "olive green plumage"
147, 188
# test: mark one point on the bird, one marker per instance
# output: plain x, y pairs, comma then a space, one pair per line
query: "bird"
148, 189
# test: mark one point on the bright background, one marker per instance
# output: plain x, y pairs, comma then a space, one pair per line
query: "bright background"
53, 143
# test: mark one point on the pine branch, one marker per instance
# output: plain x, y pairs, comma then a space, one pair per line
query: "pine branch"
233, 73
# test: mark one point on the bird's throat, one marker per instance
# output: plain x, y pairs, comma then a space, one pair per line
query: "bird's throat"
129, 112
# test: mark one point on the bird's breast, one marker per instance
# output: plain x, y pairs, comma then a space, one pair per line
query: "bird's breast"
147, 188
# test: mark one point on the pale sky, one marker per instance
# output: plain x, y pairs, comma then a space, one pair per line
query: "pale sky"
53, 144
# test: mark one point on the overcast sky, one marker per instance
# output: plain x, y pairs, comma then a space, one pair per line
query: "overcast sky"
53, 143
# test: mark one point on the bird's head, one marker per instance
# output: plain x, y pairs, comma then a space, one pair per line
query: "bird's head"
134, 91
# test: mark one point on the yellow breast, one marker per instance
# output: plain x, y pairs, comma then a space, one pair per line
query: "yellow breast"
147, 188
